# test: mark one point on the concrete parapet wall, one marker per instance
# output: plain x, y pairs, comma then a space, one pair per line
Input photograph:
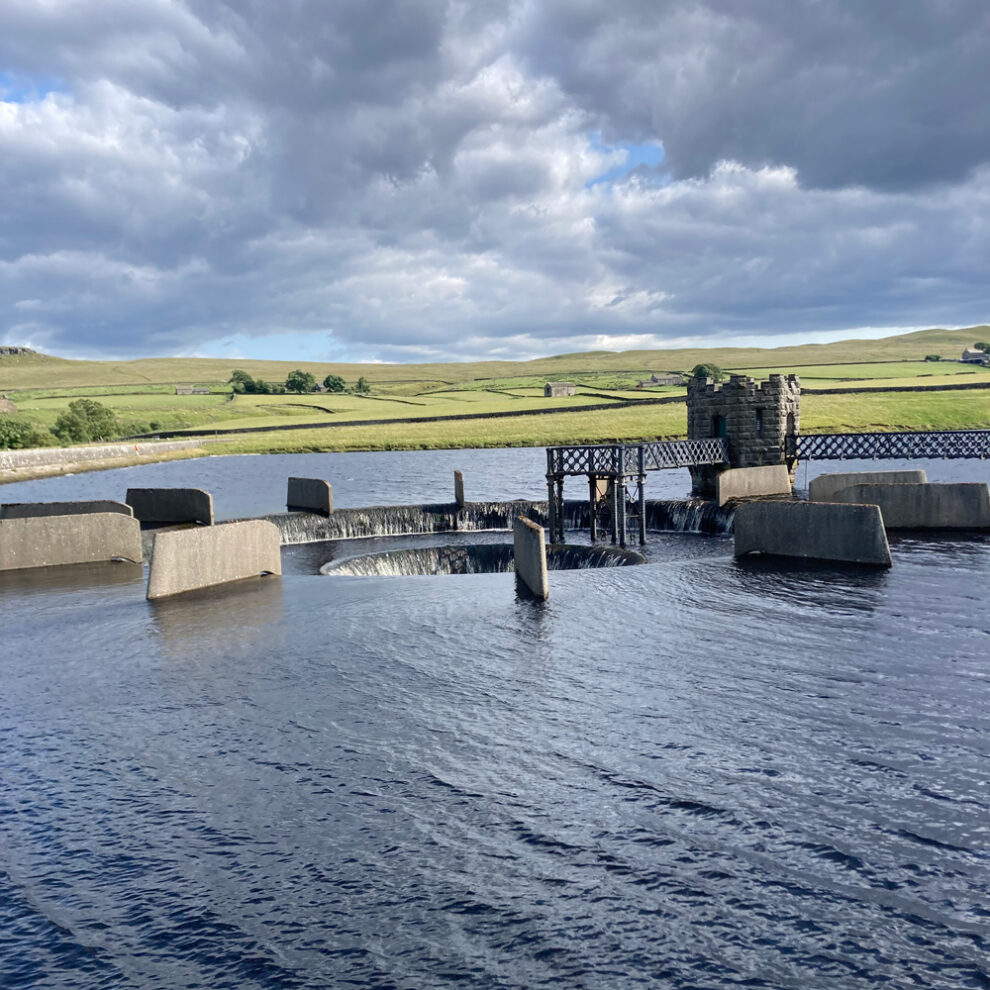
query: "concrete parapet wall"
772, 479
25, 510
190, 559
812, 530
825, 486
310, 495
40, 457
530, 553
50, 541
956, 506
171, 505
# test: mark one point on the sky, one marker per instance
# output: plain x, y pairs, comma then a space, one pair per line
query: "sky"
423, 180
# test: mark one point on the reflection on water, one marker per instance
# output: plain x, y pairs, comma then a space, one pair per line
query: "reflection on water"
214, 620
68, 578
691, 773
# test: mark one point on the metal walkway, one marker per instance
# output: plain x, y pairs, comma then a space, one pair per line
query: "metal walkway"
613, 464
941, 445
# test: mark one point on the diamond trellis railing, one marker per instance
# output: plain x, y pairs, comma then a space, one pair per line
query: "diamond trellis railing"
615, 460
942, 445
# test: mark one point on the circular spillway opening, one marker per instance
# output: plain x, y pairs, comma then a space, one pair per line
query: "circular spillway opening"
478, 558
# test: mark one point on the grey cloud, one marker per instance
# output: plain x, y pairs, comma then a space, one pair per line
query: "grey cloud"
416, 178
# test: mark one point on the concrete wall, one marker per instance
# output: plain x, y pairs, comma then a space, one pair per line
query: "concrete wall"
812, 530
825, 486
25, 510
171, 505
773, 479
55, 540
530, 553
310, 495
459, 488
190, 559
38, 457
957, 506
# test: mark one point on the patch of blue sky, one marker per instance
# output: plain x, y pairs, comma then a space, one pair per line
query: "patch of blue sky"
643, 155
18, 88
289, 346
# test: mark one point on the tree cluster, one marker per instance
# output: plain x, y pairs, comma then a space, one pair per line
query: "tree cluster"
243, 383
712, 371
85, 421
298, 381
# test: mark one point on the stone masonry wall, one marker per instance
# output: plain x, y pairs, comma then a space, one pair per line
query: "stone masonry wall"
756, 418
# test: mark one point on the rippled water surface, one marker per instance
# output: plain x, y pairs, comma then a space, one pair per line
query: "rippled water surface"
691, 773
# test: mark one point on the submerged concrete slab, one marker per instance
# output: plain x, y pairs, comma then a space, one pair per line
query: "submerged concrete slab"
530, 554
190, 559
812, 530
825, 487
459, 489
955, 506
51, 541
171, 505
309, 495
25, 510
769, 479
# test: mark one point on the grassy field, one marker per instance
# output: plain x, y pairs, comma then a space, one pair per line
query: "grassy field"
142, 394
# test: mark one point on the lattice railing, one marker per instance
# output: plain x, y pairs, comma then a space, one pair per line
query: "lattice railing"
946, 444
613, 460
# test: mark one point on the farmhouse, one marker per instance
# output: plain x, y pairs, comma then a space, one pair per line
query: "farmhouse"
972, 356
553, 390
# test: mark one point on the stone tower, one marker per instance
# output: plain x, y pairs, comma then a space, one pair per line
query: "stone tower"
755, 417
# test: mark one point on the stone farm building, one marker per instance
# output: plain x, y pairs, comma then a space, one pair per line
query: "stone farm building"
972, 356
553, 390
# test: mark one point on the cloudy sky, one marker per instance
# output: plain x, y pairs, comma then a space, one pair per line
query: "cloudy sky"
444, 179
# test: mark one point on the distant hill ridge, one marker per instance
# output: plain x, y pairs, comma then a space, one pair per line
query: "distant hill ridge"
21, 367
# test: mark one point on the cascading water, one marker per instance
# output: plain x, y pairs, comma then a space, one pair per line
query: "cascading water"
482, 558
670, 516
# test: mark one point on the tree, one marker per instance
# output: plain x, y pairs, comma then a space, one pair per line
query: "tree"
241, 381
334, 383
300, 381
712, 371
983, 346
15, 434
85, 420
362, 387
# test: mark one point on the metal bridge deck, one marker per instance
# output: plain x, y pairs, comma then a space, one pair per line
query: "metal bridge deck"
940, 445
618, 460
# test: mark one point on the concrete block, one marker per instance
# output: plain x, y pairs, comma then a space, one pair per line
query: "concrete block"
190, 559
171, 505
956, 506
530, 553
771, 479
25, 510
459, 489
812, 530
50, 541
825, 486
310, 495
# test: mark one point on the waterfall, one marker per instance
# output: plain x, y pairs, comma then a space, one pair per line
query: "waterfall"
482, 558
670, 516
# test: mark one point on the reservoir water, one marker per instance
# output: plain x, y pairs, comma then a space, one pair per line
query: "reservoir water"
690, 773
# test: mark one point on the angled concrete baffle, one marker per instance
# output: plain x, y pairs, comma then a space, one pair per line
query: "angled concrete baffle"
813, 530
190, 559
171, 505
25, 510
51, 541
309, 495
530, 552
825, 487
769, 479
964, 505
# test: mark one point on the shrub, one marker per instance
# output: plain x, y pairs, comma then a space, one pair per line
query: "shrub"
362, 387
15, 434
85, 420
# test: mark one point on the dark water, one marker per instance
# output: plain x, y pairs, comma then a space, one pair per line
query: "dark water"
691, 773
